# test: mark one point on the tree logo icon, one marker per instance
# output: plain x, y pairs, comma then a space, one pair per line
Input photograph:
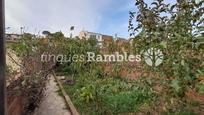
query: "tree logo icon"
153, 57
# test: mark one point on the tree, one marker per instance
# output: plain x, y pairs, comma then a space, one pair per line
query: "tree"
173, 28
46, 33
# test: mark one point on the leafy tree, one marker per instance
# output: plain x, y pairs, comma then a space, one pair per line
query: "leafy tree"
46, 33
175, 29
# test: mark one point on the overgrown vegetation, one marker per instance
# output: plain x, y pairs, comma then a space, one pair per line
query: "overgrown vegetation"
30, 83
177, 29
171, 88
97, 88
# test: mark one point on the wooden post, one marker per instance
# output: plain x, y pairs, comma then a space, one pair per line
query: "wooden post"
2, 60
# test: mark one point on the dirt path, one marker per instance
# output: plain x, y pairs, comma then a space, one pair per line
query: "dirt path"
52, 104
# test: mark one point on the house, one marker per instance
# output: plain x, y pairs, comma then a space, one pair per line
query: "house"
103, 40
12, 37
86, 35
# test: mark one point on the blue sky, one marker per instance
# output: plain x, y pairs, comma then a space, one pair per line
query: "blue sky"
104, 16
115, 19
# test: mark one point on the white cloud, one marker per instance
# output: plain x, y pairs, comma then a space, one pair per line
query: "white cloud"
54, 15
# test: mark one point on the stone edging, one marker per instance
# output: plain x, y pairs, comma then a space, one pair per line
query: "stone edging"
66, 97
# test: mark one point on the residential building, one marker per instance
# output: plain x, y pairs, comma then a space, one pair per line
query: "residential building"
106, 42
86, 35
12, 37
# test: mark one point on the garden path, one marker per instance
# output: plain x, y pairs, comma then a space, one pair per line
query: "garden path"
52, 103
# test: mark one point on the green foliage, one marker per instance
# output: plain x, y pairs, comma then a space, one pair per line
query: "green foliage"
107, 96
32, 81
86, 93
200, 88
179, 35
176, 86
176, 29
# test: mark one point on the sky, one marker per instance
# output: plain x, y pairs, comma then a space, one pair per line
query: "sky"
107, 17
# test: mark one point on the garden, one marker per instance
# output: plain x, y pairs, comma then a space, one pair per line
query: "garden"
175, 87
